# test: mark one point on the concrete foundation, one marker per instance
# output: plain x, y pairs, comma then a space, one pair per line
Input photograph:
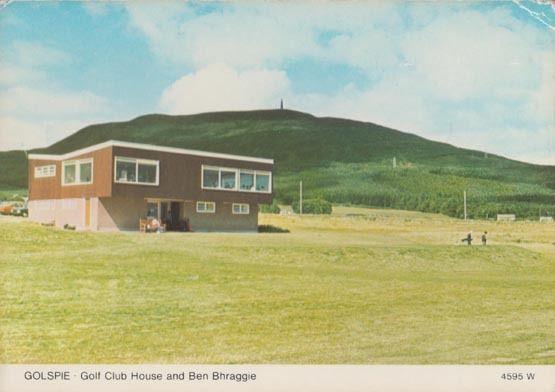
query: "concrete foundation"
123, 213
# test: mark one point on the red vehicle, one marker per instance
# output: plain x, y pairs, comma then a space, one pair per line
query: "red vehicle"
6, 208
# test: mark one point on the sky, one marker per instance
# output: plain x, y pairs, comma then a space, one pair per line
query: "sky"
474, 74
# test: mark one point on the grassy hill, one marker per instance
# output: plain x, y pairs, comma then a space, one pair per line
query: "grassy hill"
343, 161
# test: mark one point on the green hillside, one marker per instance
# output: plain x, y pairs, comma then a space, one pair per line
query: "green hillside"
340, 160
13, 171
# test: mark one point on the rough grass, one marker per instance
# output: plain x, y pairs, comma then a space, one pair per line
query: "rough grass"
360, 286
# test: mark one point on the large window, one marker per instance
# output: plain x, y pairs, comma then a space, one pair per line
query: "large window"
45, 171
137, 171
77, 172
206, 207
223, 178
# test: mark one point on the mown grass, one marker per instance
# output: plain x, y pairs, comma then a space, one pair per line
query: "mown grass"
359, 286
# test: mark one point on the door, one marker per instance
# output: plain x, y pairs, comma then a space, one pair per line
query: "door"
175, 215
87, 212
164, 212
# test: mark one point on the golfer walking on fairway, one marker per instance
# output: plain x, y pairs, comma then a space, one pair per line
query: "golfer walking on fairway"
484, 238
468, 238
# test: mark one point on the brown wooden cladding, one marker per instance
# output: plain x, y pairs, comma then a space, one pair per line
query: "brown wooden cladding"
51, 187
180, 178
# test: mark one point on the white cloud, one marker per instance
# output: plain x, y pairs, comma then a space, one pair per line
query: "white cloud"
35, 110
17, 133
95, 8
246, 35
32, 102
467, 55
27, 53
220, 87
482, 80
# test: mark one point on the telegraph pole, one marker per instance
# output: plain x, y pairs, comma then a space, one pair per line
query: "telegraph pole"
464, 197
301, 197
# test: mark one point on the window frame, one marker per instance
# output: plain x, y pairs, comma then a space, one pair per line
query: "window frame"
240, 209
238, 172
247, 171
264, 173
137, 161
205, 211
77, 163
224, 169
45, 171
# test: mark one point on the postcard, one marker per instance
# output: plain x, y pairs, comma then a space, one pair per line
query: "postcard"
277, 196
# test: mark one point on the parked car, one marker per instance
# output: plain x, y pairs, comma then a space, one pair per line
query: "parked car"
6, 207
21, 210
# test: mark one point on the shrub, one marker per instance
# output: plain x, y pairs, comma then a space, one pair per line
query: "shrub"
271, 229
270, 208
313, 206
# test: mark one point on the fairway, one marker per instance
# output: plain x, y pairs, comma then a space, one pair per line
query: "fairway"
359, 287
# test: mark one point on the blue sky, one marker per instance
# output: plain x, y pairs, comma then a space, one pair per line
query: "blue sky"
477, 75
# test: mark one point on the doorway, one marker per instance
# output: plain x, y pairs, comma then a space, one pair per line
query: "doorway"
164, 218
174, 215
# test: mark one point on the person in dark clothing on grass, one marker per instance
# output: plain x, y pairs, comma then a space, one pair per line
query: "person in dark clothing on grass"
468, 239
484, 238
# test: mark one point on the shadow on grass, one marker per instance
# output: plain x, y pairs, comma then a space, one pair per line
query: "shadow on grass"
271, 229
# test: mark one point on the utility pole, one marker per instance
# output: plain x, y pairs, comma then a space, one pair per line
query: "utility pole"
464, 196
301, 197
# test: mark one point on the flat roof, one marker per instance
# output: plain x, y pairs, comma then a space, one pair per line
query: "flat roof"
150, 147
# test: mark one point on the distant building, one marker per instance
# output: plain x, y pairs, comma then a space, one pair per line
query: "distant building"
112, 185
506, 217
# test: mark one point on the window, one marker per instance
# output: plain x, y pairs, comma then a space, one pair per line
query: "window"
152, 209
262, 182
147, 173
45, 171
210, 178
246, 181
125, 170
77, 172
206, 207
85, 172
137, 171
240, 208
69, 173
229, 179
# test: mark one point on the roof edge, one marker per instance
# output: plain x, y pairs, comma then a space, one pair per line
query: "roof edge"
150, 147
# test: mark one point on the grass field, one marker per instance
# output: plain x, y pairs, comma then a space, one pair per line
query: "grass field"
360, 286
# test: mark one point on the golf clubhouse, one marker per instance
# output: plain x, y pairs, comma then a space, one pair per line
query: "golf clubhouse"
118, 185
